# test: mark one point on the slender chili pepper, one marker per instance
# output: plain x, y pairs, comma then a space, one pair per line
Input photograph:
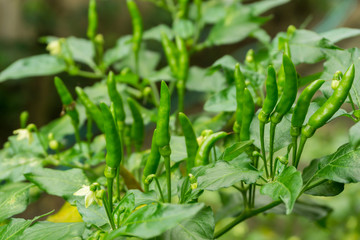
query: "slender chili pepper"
239, 86
163, 132
137, 29
271, 96
63, 92
192, 145
267, 108
153, 160
91, 108
170, 53
183, 69
300, 111
281, 74
183, 8
327, 110
117, 100
24, 116
137, 128
248, 113
93, 20
202, 155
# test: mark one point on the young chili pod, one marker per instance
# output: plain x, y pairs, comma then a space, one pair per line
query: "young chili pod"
170, 53
239, 86
271, 95
137, 26
162, 125
191, 143
137, 128
91, 108
290, 90
67, 100
247, 116
302, 106
330, 107
202, 155
153, 160
93, 20
113, 142
116, 99
183, 8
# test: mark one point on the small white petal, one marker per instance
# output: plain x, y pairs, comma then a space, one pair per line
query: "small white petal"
83, 191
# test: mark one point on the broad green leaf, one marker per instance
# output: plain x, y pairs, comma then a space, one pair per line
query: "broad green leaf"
343, 166
54, 231
143, 198
215, 123
38, 65
232, 152
263, 6
200, 80
82, 50
225, 61
178, 148
14, 198
125, 207
120, 51
13, 169
282, 133
185, 193
212, 11
155, 33
154, 219
327, 188
162, 74
354, 135
338, 34
224, 100
14, 229
224, 174
199, 227
183, 28
286, 187
94, 214
57, 182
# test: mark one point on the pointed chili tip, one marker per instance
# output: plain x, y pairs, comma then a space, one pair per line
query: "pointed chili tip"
271, 70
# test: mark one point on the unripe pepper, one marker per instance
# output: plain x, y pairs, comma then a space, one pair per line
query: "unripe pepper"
137, 128
239, 86
153, 160
271, 96
117, 100
202, 155
137, 26
191, 143
170, 53
162, 125
93, 20
248, 113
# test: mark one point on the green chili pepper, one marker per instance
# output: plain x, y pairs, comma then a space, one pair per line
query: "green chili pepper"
137, 128
113, 143
183, 8
24, 116
183, 69
329, 108
302, 107
202, 155
271, 95
117, 100
163, 133
290, 90
336, 79
137, 27
91, 108
170, 53
63, 92
153, 160
93, 20
240, 86
248, 113
192, 145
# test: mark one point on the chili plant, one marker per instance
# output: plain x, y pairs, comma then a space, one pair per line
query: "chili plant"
117, 186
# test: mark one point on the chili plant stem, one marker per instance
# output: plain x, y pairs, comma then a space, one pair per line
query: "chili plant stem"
294, 146
352, 102
159, 188
271, 149
301, 148
108, 212
262, 142
168, 176
77, 134
245, 215
110, 182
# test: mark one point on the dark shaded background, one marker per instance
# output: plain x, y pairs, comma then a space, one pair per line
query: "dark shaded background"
23, 22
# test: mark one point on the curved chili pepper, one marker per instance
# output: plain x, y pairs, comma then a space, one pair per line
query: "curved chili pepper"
192, 145
117, 100
183, 69
153, 160
271, 96
248, 113
93, 20
202, 155
137, 128
137, 26
239, 86
170, 53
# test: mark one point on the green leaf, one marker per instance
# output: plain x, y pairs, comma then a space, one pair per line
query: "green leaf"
39, 65
224, 100
235, 150
224, 174
327, 188
154, 219
143, 198
94, 214
226, 62
338, 34
14, 198
286, 187
282, 133
199, 227
200, 80
57, 182
162, 74
82, 50
120, 51
54, 231
155, 33
14, 168
343, 166
263, 6
14, 228
183, 28
354, 135
178, 148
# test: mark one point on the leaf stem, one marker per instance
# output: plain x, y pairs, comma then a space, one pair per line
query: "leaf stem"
301, 148
168, 176
294, 146
159, 188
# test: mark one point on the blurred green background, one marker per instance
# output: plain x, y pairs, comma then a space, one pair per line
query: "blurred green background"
23, 22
